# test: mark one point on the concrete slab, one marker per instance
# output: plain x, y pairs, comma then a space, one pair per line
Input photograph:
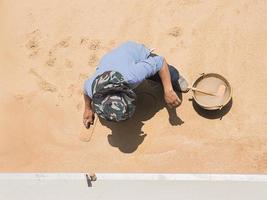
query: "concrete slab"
133, 186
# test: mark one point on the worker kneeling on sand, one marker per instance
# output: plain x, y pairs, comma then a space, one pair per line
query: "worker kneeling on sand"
109, 92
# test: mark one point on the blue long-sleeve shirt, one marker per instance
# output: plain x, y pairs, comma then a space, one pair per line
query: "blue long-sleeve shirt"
132, 60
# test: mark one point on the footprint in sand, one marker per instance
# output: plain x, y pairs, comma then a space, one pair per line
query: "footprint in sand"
92, 44
46, 86
83, 76
43, 84
33, 43
52, 53
175, 31
51, 59
64, 43
92, 60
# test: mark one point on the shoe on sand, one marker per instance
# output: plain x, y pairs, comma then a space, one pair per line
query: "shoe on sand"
182, 84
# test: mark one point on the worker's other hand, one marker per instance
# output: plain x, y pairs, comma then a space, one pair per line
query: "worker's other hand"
172, 99
88, 118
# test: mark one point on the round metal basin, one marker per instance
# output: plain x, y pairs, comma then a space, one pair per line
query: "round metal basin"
210, 83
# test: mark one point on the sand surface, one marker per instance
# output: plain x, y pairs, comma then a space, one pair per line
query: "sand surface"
49, 47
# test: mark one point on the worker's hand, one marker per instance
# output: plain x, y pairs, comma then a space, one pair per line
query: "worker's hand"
88, 118
172, 99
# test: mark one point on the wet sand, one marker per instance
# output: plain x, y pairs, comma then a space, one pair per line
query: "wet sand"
49, 47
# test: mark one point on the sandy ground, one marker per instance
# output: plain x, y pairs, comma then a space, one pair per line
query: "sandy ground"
49, 47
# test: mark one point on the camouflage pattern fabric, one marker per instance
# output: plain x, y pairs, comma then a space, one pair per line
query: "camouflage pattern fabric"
113, 99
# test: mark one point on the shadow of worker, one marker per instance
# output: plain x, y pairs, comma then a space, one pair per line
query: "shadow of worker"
128, 135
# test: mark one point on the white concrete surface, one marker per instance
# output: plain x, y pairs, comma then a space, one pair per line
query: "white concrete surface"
46, 186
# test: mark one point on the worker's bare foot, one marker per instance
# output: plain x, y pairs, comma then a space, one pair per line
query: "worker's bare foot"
182, 84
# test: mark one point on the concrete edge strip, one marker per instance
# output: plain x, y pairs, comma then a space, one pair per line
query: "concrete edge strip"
184, 177
136, 176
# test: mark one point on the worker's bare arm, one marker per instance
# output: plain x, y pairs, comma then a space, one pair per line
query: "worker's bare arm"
170, 95
88, 115
87, 102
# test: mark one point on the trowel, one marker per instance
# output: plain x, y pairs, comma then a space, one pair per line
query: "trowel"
220, 92
86, 134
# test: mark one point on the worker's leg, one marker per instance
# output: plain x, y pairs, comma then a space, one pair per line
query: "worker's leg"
178, 81
174, 77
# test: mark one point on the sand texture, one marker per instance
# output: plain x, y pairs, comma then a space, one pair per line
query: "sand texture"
49, 47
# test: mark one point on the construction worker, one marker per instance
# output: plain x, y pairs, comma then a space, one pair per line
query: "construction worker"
110, 91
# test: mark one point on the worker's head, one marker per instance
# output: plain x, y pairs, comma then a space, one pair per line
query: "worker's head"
113, 99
